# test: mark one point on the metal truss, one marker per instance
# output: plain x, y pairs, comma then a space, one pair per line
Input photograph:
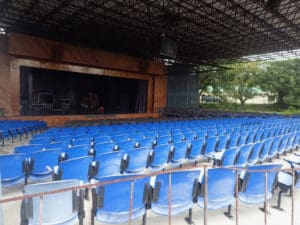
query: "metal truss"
204, 30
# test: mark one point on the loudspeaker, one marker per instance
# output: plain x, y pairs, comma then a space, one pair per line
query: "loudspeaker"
168, 47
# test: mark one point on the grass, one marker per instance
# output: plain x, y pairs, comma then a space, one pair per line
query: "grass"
257, 108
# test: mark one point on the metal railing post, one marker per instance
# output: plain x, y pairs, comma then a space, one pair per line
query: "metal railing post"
170, 198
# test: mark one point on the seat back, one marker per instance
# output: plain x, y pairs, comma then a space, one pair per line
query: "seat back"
243, 155
61, 144
258, 135
105, 147
111, 202
290, 144
218, 197
40, 160
196, 148
283, 144
233, 141
222, 143
41, 141
183, 184
179, 151
146, 142
159, 157
77, 151
275, 146
243, 138
210, 145
264, 154
135, 161
12, 169
254, 156
58, 208
27, 149
251, 137
109, 164
127, 145
229, 157
253, 186
78, 168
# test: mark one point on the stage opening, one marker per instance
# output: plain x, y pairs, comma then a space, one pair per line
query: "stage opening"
54, 92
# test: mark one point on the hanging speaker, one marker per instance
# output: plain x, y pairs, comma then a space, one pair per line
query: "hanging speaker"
168, 47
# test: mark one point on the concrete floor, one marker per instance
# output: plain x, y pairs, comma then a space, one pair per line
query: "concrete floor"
246, 214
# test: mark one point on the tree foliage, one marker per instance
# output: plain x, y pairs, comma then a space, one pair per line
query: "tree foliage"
237, 82
283, 79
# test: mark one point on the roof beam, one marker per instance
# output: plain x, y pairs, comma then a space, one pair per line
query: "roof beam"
55, 10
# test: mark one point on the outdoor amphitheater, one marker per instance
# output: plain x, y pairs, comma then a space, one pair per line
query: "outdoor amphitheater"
101, 119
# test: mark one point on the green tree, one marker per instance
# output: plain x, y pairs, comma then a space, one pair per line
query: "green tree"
216, 78
282, 78
245, 80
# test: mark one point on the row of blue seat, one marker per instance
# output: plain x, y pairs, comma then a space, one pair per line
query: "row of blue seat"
120, 199
238, 138
136, 160
10, 129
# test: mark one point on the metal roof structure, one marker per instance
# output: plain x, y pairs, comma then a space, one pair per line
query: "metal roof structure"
203, 30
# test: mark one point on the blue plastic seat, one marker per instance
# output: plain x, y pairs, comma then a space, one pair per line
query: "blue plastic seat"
184, 186
111, 202
63, 208
258, 135
190, 136
266, 134
222, 143
201, 134
227, 158
195, 150
233, 141
212, 133
179, 152
264, 154
255, 153
102, 139
135, 161
39, 161
63, 138
78, 168
121, 137
295, 163
251, 137
290, 144
146, 142
109, 164
27, 149
210, 145
282, 148
61, 145
243, 138
105, 147
253, 185
77, 152
217, 197
159, 157
12, 169
127, 145
161, 140
178, 138
296, 143
40, 141
84, 141
274, 147
243, 155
